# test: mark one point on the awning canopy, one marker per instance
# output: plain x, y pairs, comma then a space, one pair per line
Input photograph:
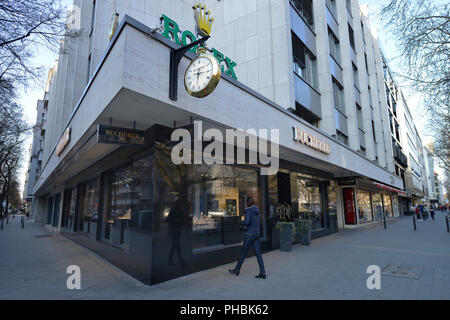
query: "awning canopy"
383, 186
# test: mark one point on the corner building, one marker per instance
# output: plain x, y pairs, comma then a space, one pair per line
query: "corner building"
301, 66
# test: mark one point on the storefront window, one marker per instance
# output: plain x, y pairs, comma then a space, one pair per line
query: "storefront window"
377, 205
395, 206
72, 208
307, 197
219, 195
89, 216
387, 205
49, 210
130, 209
364, 208
332, 209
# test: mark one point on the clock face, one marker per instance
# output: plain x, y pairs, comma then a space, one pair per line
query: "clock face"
202, 76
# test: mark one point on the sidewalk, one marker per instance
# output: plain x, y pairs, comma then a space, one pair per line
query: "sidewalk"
33, 264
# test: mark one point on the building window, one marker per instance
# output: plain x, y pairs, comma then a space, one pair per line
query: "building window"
304, 62
130, 213
387, 205
351, 37
365, 61
341, 137
359, 117
338, 95
219, 194
89, 69
349, 6
373, 132
305, 8
335, 50
89, 208
362, 150
307, 199
331, 4
370, 96
93, 17
355, 76
377, 205
305, 114
364, 207
362, 31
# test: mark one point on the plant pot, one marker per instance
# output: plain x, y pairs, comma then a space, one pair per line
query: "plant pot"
305, 237
286, 237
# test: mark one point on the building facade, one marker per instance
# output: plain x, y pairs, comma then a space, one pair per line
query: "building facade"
35, 151
311, 69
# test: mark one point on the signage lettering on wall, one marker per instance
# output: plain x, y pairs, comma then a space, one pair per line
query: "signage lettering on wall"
63, 142
172, 32
123, 136
310, 140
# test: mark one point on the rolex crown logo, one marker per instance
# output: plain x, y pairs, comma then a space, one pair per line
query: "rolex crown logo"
203, 19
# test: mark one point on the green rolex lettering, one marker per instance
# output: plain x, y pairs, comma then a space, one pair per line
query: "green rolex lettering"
188, 35
171, 30
230, 65
219, 56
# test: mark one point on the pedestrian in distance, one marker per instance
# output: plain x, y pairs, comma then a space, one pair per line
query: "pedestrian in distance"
251, 238
432, 212
425, 213
418, 213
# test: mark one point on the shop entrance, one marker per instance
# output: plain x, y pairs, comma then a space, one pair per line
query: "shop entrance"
310, 197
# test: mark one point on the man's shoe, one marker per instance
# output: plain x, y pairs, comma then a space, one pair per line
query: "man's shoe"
261, 276
232, 271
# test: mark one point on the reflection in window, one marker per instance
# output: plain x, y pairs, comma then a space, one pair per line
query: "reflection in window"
335, 50
338, 96
305, 8
219, 195
90, 208
387, 205
377, 205
363, 206
131, 202
304, 62
307, 197
73, 201
332, 206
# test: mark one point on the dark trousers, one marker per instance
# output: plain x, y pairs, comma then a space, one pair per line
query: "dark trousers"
250, 239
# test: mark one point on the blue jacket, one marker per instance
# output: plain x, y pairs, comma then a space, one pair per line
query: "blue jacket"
252, 220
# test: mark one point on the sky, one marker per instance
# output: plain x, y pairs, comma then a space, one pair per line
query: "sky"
46, 58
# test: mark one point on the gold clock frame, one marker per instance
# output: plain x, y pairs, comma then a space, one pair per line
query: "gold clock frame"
215, 78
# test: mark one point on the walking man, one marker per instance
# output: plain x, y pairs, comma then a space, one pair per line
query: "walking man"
252, 222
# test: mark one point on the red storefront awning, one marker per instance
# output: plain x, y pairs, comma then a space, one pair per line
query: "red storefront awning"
380, 185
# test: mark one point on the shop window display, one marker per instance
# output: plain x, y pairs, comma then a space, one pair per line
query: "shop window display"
377, 205
219, 195
130, 211
89, 217
332, 209
308, 199
387, 205
395, 206
364, 208
72, 208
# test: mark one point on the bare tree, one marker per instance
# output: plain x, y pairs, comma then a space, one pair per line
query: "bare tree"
13, 132
26, 25
422, 32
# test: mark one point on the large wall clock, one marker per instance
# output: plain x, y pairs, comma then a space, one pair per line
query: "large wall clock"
202, 75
